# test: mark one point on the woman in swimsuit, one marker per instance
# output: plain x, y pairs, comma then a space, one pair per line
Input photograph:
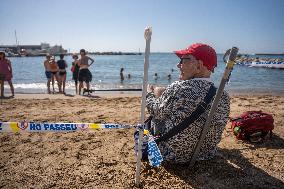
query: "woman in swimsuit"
6, 73
84, 74
62, 65
75, 71
54, 71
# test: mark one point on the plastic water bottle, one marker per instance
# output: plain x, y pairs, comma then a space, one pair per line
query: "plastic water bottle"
237, 130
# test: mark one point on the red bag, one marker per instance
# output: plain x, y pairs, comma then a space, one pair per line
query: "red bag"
72, 68
252, 126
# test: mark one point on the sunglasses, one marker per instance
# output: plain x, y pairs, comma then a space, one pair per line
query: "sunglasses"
182, 60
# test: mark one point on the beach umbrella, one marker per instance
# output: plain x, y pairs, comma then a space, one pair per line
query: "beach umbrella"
147, 36
229, 67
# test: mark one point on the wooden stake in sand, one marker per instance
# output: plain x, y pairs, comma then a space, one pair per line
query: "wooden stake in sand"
147, 36
229, 67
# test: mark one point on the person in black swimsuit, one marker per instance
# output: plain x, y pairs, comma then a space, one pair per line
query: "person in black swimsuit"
62, 65
84, 74
75, 70
54, 73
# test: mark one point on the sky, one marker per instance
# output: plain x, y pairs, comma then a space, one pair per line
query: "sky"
254, 26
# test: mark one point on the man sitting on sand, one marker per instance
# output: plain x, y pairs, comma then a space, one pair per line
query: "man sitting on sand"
170, 106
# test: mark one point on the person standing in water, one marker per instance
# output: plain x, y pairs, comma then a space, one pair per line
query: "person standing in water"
84, 74
62, 65
75, 70
48, 73
54, 73
121, 75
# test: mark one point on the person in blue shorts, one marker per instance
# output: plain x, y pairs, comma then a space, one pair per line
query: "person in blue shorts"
48, 73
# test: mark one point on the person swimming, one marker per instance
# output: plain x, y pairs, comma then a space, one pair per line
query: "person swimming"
169, 77
156, 77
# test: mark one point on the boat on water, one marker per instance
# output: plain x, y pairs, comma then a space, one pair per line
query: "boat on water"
265, 64
262, 64
245, 63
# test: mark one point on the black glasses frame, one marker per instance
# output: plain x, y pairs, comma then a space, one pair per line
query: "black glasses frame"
181, 60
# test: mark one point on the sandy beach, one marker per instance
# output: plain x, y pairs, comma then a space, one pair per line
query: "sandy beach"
105, 158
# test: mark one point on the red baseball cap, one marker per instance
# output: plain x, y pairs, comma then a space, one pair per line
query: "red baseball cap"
201, 52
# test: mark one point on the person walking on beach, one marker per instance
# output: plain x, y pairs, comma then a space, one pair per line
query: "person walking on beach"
54, 73
6, 73
62, 65
75, 71
172, 105
84, 74
48, 73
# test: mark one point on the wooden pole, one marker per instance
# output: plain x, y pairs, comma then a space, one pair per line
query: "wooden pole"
147, 36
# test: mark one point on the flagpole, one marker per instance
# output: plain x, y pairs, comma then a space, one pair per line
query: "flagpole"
147, 36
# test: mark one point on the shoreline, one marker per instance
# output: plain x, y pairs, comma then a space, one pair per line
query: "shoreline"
118, 94
129, 89
72, 96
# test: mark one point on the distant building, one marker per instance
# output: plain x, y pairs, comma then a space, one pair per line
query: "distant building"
57, 49
45, 46
33, 50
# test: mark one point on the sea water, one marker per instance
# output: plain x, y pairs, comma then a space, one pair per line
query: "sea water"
29, 74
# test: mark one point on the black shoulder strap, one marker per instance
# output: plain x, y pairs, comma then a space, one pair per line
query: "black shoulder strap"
192, 118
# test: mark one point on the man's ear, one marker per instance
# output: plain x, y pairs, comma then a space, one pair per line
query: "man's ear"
200, 64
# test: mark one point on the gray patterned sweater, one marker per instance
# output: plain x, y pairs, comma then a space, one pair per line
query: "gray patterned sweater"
176, 103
